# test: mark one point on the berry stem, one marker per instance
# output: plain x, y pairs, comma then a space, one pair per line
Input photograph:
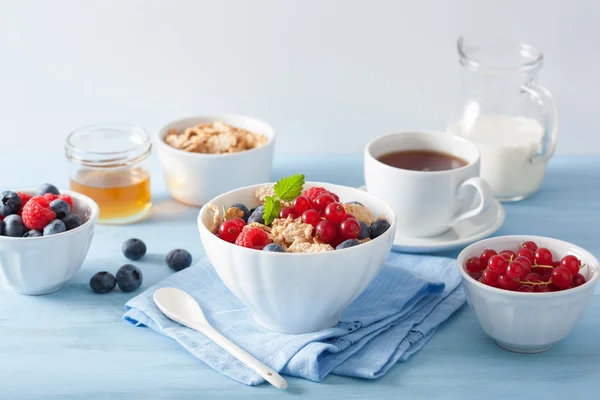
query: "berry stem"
542, 266
534, 283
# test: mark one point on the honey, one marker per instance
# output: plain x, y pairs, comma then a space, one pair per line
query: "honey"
123, 196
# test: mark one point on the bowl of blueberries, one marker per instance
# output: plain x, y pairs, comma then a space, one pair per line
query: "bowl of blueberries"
45, 234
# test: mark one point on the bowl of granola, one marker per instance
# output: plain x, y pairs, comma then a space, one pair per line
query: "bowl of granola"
296, 254
204, 156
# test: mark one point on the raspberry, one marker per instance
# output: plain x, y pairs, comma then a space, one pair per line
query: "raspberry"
253, 238
24, 199
68, 199
37, 213
314, 192
50, 197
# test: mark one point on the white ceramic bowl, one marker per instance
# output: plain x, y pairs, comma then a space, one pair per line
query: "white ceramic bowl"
528, 322
195, 178
42, 265
294, 292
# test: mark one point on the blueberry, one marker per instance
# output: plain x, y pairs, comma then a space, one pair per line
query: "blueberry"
61, 208
71, 221
13, 226
347, 243
378, 227
364, 230
179, 259
134, 249
354, 202
54, 227
1, 228
244, 209
33, 233
47, 188
274, 247
10, 203
257, 215
103, 282
129, 278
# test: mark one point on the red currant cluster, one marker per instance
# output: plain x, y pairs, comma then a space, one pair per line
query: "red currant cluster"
332, 225
530, 269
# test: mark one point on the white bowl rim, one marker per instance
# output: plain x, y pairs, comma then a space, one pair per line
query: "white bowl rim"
392, 227
85, 199
461, 259
161, 133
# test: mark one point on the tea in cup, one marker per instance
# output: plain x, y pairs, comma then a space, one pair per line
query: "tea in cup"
427, 178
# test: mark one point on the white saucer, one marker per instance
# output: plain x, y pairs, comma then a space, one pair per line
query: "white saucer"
463, 234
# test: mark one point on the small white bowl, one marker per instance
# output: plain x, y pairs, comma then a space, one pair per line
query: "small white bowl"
195, 178
42, 265
528, 322
297, 292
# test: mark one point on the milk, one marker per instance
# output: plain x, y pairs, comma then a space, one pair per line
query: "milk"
506, 144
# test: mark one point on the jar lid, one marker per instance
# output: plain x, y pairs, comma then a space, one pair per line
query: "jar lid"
108, 145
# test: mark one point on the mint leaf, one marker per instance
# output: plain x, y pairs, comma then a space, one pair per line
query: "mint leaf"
272, 208
290, 187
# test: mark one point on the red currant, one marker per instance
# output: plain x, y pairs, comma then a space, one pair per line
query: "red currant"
527, 253
337, 240
515, 270
301, 204
475, 275
486, 255
326, 230
561, 277
474, 265
507, 283
511, 254
525, 263
556, 264
533, 277
543, 256
287, 211
572, 263
578, 280
350, 216
530, 245
311, 217
350, 229
489, 277
497, 264
542, 289
322, 201
335, 213
240, 222
525, 288
229, 231
545, 273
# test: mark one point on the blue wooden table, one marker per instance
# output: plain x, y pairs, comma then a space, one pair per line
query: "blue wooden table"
74, 344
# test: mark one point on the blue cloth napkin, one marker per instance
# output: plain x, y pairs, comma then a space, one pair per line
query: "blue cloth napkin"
389, 322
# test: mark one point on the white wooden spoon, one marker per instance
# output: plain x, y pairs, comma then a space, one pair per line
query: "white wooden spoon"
182, 308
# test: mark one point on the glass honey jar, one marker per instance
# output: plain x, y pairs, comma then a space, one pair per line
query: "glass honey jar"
111, 164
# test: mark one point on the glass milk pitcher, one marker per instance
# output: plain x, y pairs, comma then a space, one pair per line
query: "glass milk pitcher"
510, 117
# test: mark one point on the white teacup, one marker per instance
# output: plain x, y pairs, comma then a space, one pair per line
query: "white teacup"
427, 203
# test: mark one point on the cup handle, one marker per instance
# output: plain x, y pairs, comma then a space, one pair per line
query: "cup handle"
485, 194
542, 97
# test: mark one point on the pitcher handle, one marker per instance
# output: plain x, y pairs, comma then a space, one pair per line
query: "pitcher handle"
542, 96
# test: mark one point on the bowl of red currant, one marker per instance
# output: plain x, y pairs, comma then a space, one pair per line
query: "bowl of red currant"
517, 285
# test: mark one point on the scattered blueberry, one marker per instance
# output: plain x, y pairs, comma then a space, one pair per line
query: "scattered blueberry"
364, 230
129, 278
347, 243
47, 188
1, 228
61, 208
354, 202
103, 282
274, 247
378, 227
244, 209
71, 221
134, 249
179, 259
13, 226
10, 203
54, 227
257, 215
32, 233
